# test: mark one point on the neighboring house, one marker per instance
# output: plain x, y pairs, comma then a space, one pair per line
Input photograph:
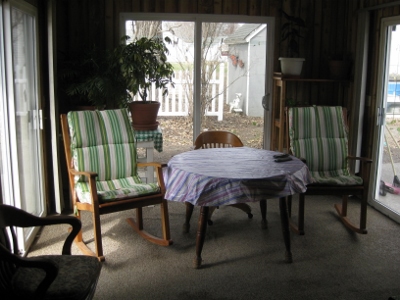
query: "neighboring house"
246, 67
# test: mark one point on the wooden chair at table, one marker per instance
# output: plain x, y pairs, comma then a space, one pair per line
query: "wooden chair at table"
319, 136
63, 276
215, 139
100, 151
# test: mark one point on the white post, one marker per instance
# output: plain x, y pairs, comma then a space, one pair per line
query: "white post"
220, 91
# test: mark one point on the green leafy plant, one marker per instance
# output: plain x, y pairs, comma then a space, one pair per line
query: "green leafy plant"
144, 62
101, 76
291, 102
93, 78
291, 31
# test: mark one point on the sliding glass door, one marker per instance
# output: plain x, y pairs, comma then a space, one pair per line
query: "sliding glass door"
223, 68
387, 148
21, 118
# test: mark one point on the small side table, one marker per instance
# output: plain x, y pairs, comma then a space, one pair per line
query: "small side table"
150, 140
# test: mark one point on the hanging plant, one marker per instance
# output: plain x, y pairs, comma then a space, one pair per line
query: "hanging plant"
234, 59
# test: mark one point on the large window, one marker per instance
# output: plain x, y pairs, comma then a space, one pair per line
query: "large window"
222, 70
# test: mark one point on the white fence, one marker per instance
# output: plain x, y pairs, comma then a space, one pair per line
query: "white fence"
179, 100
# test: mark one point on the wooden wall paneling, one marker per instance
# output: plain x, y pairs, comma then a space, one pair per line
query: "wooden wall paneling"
109, 33
148, 6
274, 12
253, 8
187, 6
167, 6
265, 8
305, 10
118, 7
74, 18
351, 22
135, 5
327, 36
62, 13
231, 7
218, 7
242, 8
315, 20
206, 6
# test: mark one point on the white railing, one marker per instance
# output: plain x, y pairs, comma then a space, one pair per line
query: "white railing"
177, 102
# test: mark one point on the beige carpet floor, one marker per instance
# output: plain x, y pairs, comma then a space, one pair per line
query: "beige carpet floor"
242, 261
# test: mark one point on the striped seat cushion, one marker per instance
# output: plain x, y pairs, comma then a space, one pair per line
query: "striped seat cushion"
319, 134
104, 142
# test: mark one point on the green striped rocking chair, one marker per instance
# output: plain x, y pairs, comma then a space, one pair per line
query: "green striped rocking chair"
319, 136
100, 151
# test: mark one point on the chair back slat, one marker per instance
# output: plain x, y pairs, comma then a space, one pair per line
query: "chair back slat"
217, 139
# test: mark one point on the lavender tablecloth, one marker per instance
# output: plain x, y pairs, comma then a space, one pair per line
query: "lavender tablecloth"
222, 176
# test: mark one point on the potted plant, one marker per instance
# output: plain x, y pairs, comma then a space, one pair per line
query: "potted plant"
291, 32
94, 78
143, 62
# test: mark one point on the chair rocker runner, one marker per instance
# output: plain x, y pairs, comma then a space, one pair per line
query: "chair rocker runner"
63, 276
215, 139
100, 151
319, 136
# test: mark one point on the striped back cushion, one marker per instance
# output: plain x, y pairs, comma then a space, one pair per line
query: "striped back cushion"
104, 142
320, 135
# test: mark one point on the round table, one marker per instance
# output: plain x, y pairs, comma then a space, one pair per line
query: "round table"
223, 176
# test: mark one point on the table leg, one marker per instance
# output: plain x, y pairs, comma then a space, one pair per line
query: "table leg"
285, 228
201, 234
188, 216
263, 208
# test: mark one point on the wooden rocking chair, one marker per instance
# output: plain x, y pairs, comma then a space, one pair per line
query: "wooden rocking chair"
100, 151
318, 135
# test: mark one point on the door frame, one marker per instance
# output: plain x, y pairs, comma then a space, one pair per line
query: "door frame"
381, 119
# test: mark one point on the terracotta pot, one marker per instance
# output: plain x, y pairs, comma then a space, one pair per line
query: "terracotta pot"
144, 114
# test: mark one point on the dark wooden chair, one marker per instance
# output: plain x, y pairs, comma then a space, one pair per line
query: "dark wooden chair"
215, 139
100, 151
63, 276
319, 136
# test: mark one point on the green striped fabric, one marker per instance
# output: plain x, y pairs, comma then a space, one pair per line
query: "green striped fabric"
104, 142
320, 135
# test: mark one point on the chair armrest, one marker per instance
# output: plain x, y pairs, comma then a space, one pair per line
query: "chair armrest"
83, 173
21, 218
160, 177
365, 164
149, 164
91, 176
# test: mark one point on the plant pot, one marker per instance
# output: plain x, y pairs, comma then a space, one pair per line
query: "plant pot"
144, 114
339, 69
291, 66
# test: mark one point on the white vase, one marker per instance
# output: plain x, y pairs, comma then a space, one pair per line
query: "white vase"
291, 65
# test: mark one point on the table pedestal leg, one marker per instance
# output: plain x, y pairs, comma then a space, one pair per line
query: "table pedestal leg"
201, 234
285, 228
